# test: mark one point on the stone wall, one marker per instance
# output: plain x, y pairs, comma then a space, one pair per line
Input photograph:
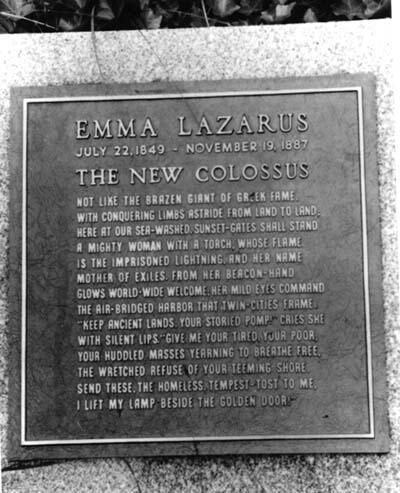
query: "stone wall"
214, 54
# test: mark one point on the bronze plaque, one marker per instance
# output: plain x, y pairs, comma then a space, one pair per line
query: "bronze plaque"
196, 270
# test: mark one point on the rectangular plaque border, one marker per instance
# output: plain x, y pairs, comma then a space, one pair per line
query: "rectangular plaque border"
198, 95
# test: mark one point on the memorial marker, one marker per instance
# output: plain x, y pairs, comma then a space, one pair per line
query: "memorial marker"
196, 269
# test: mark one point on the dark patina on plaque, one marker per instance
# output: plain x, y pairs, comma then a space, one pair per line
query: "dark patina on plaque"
196, 270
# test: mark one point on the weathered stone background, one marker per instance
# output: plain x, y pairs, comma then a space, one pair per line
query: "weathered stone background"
207, 54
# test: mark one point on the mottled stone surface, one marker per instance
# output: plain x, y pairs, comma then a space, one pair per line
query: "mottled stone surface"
279, 51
